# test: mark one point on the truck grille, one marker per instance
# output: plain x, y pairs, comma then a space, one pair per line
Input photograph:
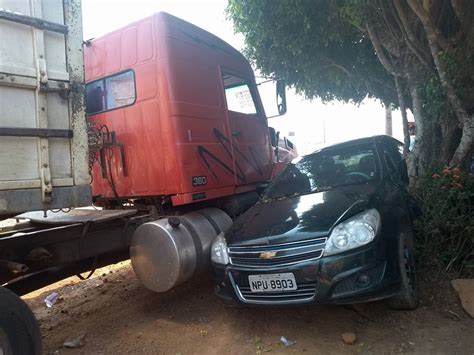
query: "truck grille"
277, 255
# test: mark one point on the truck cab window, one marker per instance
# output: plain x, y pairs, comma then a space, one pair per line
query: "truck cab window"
110, 93
238, 95
95, 94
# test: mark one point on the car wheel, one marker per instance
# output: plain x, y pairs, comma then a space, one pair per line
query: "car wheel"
407, 299
19, 331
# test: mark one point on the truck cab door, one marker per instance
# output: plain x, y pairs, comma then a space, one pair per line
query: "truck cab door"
248, 130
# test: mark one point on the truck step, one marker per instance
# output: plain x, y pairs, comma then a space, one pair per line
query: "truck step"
79, 215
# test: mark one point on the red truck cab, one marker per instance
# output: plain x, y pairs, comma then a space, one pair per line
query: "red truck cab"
180, 111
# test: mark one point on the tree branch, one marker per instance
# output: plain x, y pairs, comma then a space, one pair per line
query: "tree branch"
382, 83
381, 26
425, 19
340, 67
380, 52
466, 18
407, 32
404, 20
389, 26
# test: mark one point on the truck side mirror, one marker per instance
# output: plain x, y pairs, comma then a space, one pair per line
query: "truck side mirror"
281, 96
273, 136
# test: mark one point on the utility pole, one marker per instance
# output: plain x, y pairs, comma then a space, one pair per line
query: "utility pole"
324, 130
388, 120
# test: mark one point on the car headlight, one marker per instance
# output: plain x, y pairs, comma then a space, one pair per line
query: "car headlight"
353, 233
219, 253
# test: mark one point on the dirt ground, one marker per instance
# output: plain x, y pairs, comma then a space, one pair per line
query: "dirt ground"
118, 315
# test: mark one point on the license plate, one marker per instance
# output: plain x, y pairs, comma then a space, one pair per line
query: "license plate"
272, 282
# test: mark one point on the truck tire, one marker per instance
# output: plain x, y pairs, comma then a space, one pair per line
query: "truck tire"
19, 330
407, 299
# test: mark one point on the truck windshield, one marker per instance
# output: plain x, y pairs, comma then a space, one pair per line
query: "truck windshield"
326, 169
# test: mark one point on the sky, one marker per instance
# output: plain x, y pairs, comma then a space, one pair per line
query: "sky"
309, 124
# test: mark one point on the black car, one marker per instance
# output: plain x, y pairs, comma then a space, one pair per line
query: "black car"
333, 227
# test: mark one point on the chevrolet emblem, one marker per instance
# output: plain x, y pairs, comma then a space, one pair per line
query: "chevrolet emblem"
267, 255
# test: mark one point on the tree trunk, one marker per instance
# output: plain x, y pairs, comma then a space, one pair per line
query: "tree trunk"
403, 110
388, 120
451, 135
417, 160
465, 145
434, 38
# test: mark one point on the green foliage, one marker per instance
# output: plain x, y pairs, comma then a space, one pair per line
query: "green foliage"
313, 45
445, 231
323, 49
353, 11
434, 101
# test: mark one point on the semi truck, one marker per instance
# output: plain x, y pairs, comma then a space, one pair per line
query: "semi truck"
148, 154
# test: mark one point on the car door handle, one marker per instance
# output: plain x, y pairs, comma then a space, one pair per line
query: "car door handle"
236, 133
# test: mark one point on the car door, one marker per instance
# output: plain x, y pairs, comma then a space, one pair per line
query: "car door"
249, 130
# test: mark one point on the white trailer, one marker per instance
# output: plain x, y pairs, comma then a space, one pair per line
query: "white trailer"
43, 135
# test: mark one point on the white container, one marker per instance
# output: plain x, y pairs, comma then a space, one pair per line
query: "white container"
43, 136
51, 299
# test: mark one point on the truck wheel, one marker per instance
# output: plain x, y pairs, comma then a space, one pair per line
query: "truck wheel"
407, 299
19, 331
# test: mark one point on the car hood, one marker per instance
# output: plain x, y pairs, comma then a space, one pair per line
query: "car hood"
298, 218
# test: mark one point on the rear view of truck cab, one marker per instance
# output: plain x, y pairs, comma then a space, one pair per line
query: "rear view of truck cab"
182, 113
177, 129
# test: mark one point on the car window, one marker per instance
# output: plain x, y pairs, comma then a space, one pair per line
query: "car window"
390, 164
396, 151
238, 95
399, 150
326, 169
393, 155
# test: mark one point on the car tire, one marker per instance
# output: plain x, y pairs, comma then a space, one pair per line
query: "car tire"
19, 330
407, 299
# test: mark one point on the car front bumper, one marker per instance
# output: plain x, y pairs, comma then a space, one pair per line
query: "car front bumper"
365, 274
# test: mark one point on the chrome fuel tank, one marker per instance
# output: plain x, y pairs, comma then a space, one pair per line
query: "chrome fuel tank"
170, 250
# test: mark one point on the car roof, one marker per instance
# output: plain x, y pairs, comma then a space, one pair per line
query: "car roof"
372, 139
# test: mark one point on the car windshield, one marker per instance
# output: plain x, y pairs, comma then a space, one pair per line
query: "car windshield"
324, 170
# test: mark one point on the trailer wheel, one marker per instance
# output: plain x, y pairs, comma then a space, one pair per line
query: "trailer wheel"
19, 330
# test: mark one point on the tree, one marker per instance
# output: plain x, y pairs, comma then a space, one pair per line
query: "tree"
283, 38
414, 54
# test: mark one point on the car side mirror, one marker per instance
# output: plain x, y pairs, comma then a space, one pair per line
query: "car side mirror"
281, 97
403, 171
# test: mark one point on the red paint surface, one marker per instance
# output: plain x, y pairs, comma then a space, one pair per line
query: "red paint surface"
179, 106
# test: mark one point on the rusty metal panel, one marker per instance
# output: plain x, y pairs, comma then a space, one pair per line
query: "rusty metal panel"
75, 64
41, 94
